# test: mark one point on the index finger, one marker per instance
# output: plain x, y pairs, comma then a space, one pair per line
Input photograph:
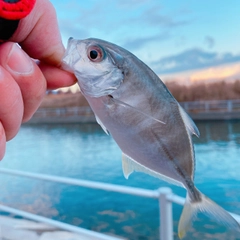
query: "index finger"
38, 34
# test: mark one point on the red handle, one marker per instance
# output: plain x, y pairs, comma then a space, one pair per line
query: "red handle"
15, 9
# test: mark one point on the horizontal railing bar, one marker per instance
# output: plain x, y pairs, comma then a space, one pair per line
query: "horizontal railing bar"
61, 225
212, 105
176, 199
209, 106
85, 183
222, 103
102, 186
235, 101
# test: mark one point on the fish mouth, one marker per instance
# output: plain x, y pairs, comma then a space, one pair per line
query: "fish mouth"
71, 55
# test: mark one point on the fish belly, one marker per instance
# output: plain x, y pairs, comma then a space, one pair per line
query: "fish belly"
162, 148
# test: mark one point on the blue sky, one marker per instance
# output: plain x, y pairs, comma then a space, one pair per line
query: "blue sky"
170, 35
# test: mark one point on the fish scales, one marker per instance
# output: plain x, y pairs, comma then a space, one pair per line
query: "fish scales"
148, 124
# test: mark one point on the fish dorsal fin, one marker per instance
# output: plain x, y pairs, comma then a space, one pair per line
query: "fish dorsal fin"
189, 122
127, 166
101, 124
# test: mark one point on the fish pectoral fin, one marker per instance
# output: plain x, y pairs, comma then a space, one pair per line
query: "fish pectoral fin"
119, 102
191, 126
102, 125
127, 166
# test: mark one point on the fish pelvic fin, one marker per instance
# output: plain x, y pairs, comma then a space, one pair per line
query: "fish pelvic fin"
101, 124
209, 208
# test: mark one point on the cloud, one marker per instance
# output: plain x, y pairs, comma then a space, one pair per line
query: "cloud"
194, 58
132, 24
153, 16
137, 43
209, 41
131, 3
87, 18
214, 73
72, 29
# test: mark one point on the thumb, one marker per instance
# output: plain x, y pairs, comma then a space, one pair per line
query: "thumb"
38, 34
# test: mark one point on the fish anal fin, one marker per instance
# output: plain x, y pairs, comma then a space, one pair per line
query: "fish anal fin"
130, 165
127, 166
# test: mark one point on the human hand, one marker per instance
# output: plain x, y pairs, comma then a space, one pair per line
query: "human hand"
23, 81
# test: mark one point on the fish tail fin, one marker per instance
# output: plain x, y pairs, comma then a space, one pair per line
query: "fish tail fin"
208, 207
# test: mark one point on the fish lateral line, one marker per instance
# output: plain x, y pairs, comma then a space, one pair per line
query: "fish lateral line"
135, 109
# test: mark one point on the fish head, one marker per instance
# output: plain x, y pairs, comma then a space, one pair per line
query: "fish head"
97, 66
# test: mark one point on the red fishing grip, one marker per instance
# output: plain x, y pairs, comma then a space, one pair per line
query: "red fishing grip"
15, 9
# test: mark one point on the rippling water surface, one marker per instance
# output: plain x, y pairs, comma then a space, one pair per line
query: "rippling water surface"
86, 152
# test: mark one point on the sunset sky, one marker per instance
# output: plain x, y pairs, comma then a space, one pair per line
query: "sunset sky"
170, 36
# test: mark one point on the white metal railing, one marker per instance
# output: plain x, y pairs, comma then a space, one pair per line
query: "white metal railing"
212, 106
60, 225
63, 111
164, 195
195, 106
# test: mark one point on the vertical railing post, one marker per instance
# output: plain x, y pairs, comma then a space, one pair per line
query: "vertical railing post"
229, 105
206, 106
166, 221
185, 106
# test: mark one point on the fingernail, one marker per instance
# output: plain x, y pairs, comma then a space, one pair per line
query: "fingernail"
18, 61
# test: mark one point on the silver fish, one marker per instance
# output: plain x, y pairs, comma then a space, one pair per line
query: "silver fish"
153, 131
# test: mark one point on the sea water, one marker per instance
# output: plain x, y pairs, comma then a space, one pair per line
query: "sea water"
84, 151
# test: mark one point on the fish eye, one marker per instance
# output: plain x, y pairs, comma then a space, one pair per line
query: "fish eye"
95, 54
